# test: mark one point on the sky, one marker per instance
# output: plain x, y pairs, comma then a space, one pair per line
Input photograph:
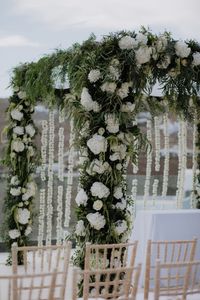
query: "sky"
32, 28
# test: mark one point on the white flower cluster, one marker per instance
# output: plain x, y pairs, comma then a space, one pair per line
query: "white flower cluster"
44, 142
127, 43
87, 102
14, 234
29, 191
16, 114
96, 220
97, 205
166, 162
119, 152
114, 71
18, 130
41, 217
123, 91
23, 215
97, 144
112, 123
94, 75
80, 228
120, 226
121, 205
109, 87
61, 153
16, 191
98, 166
30, 130
59, 229
17, 145
81, 198
182, 50
14, 180
118, 193
143, 55
98, 189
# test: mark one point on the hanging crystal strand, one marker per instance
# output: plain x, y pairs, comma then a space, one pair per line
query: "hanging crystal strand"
59, 229
42, 192
41, 217
134, 195
155, 191
194, 164
157, 144
149, 164
69, 175
50, 178
166, 161
182, 164
135, 164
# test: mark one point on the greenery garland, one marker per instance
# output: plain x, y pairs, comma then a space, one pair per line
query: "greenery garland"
110, 82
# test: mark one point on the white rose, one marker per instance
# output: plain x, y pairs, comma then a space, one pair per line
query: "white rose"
29, 191
15, 191
28, 230
127, 43
97, 144
127, 107
120, 227
98, 166
18, 146
19, 130
141, 38
109, 87
14, 233
30, 130
121, 205
196, 59
119, 149
98, 189
96, 220
94, 75
97, 205
118, 166
101, 131
81, 198
14, 180
118, 193
80, 228
22, 95
16, 114
112, 123
143, 55
23, 215
182, 50
87, 102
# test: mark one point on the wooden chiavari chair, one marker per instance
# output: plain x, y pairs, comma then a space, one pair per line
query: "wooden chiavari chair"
107, 283
177, 279
42, 260
166, 252
102, 256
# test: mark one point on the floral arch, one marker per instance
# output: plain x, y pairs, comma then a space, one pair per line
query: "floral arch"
110, 82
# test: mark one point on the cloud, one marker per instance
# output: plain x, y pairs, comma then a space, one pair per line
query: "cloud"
16, 41
183, 15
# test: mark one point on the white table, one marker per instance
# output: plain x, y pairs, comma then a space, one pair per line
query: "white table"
165, 225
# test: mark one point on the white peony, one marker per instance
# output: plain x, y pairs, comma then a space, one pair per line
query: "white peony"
29, 191
80, 228
164, 63
121, 205
120, 227
182, 50
18, 146
127, 43
87, 102
196, 59
30, 130
98, 189
123, 91
143, 55
118, 193
109, 87
28, 230
141, 38
81, 198
97, 205
97, 144
19, 130
22, 95
127, 107
16, 114
14, 180
15, 191
94, 75
96, 220
23, 215
112, 123
14, 233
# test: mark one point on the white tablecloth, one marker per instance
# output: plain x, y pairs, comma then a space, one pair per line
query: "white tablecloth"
165, 225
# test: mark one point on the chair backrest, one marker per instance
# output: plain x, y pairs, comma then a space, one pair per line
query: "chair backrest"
177, 279
29, 286
120, 283
42, 260
102, 256
167, 252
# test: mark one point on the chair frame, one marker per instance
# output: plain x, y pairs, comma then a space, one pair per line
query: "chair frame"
165, 244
